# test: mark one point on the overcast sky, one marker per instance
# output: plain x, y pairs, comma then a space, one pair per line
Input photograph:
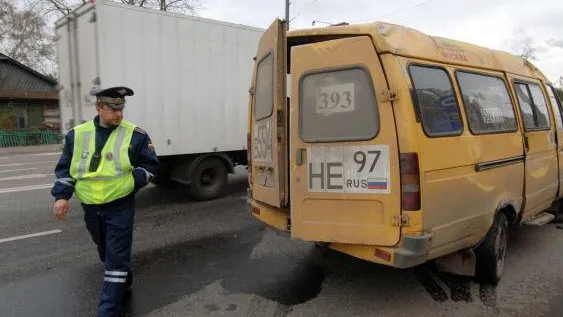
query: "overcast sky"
501, 24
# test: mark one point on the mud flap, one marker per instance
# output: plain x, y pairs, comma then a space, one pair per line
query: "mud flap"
459, 263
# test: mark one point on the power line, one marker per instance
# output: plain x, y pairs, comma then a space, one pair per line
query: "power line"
303, 9
396, 12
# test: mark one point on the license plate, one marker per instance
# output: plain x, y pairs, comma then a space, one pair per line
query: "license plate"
349, 169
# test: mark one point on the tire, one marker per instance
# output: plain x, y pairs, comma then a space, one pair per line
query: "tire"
208, 179
163, 181
492, 251
162, 178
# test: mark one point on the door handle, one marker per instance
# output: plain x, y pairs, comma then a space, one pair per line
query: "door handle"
299, 156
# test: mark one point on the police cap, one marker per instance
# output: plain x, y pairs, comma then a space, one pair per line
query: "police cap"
113, 97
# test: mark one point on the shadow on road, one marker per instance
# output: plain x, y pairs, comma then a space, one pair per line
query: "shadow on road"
156, 196
163, 276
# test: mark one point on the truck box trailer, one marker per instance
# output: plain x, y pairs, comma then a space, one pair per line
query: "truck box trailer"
190, 76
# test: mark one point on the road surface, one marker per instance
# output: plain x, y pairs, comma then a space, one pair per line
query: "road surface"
213, 259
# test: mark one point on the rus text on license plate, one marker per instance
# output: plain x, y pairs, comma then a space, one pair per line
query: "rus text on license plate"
349, 169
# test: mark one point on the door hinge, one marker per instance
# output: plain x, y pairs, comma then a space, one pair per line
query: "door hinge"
401, 221
390, 95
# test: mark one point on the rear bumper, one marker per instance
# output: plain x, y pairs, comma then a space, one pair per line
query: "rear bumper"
411, 251
277, 218
414, 251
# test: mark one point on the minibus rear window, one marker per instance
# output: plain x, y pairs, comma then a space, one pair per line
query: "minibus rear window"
437, 102
264, 98
338, 105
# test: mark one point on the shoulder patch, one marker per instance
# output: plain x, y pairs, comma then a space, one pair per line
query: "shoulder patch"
139, 130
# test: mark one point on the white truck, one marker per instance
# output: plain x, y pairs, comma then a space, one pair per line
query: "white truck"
190, 76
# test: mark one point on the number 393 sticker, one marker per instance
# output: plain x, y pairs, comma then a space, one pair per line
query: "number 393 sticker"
349, 169
335, 99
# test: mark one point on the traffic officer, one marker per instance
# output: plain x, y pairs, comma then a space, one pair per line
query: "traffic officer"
105, 161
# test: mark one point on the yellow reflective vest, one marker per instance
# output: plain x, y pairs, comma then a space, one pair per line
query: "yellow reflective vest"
113, 178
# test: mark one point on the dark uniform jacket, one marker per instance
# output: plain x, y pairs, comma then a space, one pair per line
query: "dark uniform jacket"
141, 154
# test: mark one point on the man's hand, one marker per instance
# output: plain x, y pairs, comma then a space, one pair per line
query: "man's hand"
61, 208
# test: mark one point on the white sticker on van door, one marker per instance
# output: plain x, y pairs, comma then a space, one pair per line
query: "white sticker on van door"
349, 169
262, 143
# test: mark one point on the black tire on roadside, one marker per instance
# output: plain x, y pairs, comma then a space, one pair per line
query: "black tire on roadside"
163, 181
492, 251
208, 179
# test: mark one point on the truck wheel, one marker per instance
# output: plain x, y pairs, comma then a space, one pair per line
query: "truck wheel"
491, 253
208, 179
163, 181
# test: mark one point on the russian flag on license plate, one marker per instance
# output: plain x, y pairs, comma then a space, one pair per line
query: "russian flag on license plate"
377, 183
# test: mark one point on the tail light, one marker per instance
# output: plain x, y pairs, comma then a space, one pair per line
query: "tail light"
410, 182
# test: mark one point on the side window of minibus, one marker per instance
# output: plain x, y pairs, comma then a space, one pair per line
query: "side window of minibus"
556, 106
533, 106
487, 103
436, 101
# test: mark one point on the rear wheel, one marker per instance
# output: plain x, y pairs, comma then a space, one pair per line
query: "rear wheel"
163, 181
208, 179
491, 253
162, 177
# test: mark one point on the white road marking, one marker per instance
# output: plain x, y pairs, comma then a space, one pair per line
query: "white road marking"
34, 154
24, 188
32, 163
46, 154
10, 165
33, 235
31, 176
19, 170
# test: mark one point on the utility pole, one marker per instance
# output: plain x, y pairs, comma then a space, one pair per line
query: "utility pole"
287, 14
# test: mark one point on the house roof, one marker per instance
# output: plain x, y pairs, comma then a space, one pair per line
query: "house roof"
28, 69
18, 81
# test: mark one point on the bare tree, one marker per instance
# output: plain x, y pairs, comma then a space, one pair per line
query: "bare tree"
24, 36
55, 9
529, 53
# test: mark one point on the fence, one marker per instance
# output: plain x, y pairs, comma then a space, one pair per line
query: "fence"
25, 138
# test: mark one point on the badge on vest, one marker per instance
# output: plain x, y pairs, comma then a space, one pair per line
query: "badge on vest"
109, 156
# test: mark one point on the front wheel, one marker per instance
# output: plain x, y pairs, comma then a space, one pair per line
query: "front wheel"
491, 253
208, 179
